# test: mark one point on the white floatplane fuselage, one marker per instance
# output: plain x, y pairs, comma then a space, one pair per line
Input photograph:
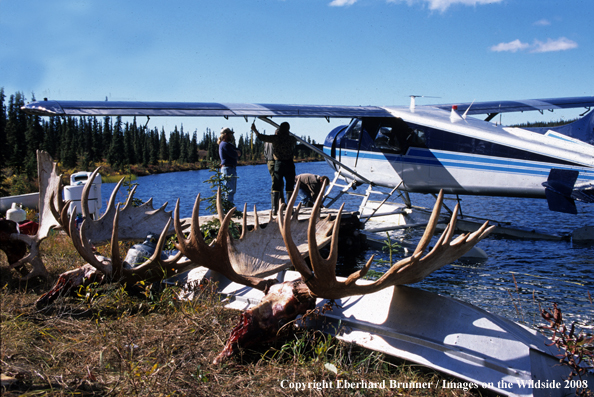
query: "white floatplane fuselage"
430, 149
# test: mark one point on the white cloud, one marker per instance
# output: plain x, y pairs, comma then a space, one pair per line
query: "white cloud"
512, 46
340, 3
542, 22
442, 5
550, 45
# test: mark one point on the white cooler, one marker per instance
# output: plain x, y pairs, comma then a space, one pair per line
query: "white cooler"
74, 193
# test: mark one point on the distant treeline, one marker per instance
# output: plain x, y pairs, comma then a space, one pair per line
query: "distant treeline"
82, 142
539, 124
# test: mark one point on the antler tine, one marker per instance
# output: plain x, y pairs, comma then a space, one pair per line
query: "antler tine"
83, 246
244, 221
116, 259
284, 221
324, 269
56, 196
219, 205
112, 199
430, 228
149, 270
256, 220
195, 237
84, 200
61, 214
131, 197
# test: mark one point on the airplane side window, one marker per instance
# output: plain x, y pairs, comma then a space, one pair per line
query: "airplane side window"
417, 138
385, 140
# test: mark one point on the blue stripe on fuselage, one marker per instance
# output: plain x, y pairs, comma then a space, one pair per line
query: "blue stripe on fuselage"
461, 160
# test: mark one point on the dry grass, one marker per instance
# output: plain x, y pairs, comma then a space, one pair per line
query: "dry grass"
109, 341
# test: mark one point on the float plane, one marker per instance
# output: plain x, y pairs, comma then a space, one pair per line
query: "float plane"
420, 148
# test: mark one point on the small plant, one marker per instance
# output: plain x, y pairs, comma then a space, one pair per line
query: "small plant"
390, 247
136, 202
577, 348
211, 228
216, 181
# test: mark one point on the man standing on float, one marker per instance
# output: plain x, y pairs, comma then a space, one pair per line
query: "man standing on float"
284, 168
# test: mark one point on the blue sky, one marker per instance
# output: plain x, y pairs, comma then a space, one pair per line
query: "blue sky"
337, 52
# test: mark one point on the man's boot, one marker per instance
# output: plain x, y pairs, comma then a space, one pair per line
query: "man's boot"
275, 197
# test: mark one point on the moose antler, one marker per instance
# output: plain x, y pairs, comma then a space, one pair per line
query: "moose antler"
49, 180
153, 269
257, 253
321, 279
287, 300
134, 223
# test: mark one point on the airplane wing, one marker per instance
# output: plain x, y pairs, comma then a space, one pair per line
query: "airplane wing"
130, 108
496, 107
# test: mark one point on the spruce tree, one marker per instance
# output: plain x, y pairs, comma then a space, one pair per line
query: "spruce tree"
154, 155
174, 145
3, 120
3, 189
107, 137
67, 145
115, 155
193, 149
16, 126
163, 149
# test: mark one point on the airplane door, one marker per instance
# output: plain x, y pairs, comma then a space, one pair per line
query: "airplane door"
385, 158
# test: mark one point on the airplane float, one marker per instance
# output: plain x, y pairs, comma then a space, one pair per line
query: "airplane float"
420, 149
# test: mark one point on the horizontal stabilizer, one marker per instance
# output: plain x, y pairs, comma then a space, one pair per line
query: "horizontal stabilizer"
560, 203
559, 189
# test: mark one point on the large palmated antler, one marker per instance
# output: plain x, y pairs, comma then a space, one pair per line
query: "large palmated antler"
321, 279
256, 253
216, 255
135, 222
285, 301
101, 269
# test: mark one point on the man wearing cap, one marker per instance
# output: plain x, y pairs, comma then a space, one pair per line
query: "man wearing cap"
229, 155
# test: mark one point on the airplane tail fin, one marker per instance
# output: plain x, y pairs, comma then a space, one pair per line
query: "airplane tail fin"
559, 190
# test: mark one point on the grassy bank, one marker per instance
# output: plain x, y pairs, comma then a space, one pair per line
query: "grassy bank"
107, 341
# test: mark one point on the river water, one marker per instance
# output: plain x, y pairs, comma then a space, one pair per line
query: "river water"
517, 276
